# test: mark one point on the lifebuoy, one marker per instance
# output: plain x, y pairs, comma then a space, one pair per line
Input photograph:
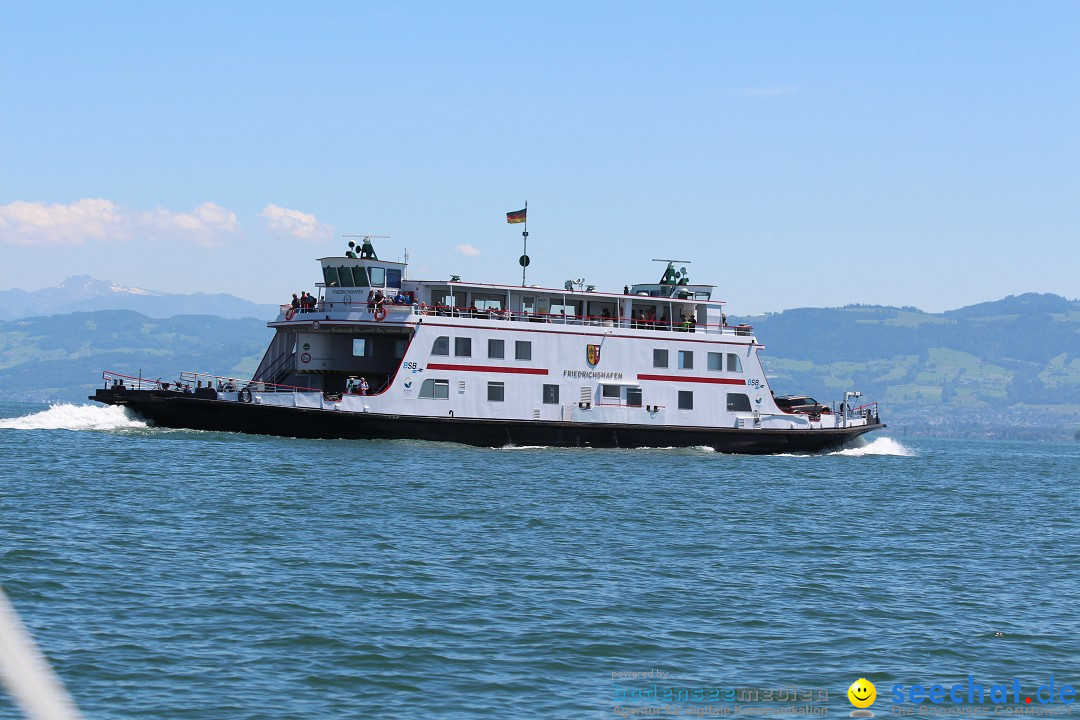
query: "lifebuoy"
380, 313
290, 313
245, 395
315, 325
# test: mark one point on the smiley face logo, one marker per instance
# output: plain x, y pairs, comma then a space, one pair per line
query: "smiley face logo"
862, 693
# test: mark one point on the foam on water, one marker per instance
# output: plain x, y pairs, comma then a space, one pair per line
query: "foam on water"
66, 416
880, 446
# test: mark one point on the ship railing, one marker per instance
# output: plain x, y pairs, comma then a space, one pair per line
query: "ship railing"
131, 382
342, 309
659, 325
224, 383
869, 410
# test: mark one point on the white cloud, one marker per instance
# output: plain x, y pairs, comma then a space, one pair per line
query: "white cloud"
35, 223
467, 250
101, 220
204, 225
293, 223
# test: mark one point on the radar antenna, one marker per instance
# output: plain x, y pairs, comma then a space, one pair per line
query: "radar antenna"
367, 250
671, 275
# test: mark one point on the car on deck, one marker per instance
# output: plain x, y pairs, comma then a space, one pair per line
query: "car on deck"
801, 404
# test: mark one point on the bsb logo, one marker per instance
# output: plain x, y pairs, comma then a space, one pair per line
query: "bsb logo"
592, 354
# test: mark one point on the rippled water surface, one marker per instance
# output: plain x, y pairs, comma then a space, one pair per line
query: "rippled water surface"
172, 574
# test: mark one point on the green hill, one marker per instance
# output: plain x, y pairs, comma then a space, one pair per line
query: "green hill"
60, 357
1013, 362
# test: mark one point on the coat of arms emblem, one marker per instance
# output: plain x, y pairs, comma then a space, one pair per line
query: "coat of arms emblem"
592, 354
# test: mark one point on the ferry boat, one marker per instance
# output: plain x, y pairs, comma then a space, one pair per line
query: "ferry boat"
379, 355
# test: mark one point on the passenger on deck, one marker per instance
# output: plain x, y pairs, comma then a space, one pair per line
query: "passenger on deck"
650, 321
371, 301
295, 302
379, 299
363, 386
400, 298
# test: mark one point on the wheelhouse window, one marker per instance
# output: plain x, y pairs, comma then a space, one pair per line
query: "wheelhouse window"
738, 402
496, 391
330, 276
378, 276
359, 276
496, 349
433, 389
522, 350
551, 394
463, 347
633, 396
734, 364
686, 399
441, 346
393, 277
686, 359
659, 358
716, 361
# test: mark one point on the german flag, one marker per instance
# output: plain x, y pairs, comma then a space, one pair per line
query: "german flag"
516, 216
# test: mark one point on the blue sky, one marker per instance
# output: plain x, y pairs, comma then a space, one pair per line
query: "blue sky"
797, 153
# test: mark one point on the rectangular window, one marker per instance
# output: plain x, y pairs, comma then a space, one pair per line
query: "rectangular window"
686, 359
686, 399
716, 361
523, 350
734, 364
330, 277
378, 277
738, 402
612, 392
435, 389
496, 349
633, 397
551, 394
359, 277
345, 278
488, 302
393, 278
496, 392
441, 346
359, 347
659, 358
463, 347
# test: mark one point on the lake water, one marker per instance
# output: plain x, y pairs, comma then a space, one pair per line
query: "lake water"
174, 574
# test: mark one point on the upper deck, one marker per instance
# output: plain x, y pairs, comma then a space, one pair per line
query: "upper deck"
353, 286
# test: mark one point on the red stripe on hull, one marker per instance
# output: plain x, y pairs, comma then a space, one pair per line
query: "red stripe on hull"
488, 369
681, 378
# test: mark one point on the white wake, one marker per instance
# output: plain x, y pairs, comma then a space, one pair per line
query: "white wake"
66, 416
880, 446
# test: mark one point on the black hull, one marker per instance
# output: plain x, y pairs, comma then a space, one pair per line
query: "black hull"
188, 411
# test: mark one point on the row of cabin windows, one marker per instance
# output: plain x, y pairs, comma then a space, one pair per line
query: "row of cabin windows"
496, 348
375, 277
496, 392
686, 361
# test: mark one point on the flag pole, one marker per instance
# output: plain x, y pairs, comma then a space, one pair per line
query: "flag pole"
525, 244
